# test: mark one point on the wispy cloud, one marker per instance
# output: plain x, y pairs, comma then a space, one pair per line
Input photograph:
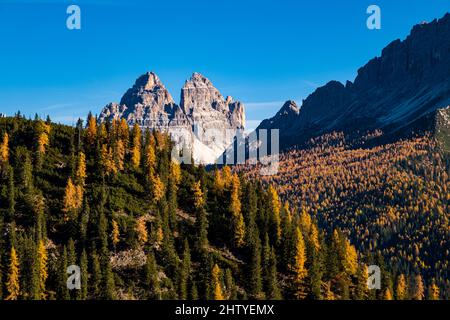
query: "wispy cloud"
312, 84
267, 104
57, 106
67, 119
251, 125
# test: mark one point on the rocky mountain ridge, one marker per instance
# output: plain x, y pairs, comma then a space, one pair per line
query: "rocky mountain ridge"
204, 122
393, 92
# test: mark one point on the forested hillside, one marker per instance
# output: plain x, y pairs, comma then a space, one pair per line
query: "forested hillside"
110, 200
391, 200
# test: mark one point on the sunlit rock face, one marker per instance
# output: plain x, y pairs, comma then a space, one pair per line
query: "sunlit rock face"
205, 122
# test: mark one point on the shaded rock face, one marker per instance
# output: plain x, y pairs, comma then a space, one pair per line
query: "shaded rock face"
410, 80
201, 110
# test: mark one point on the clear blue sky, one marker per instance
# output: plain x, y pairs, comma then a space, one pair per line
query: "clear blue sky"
260, 52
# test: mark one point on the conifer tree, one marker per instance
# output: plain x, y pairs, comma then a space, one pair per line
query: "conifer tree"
350, 261
185, 272
43, 132
275, 220
42, 262
124, 131
4, 150
13, 284
401, 289
226, 176
82, 294
236, 214
119, 155
230, 285
141, 230
91, 133
115, 234
108, 284
433, 292
316, 267
157, 188
361, 284
218, 180
96, 274
201, 223
194, 292
136, 147
387, 294
418, 290
272, 289
255, 269
81, 169
11, 193
151, 277
298, 263
62, 290
73, 200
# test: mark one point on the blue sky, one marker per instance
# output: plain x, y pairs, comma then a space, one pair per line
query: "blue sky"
260, 52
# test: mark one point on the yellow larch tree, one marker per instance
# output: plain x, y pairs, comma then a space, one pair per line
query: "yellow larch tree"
43, 268
73, 199
226, 176
150, 159
124, 131
216, 283
387, 294
433, 292
13, 283
158, 187
314, 236
274, 206
175, 172
81, 169
199, 199
43, 136
136, 147
107, 160
305, 221
102, 133
401, 289
236, 213
298, 263
4, 149
218, 180
120, 154
91, 132
115, 234
141, 230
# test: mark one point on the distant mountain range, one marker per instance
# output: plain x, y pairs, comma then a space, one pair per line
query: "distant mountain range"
397, 93
404, 91
202, 107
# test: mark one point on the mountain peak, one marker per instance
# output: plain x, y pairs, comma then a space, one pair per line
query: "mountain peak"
198, 80
149, 104
289, 108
